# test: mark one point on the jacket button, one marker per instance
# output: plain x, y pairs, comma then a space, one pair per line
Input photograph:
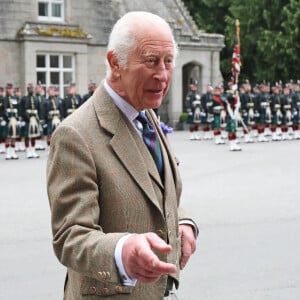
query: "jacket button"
119, 289
92, 290
104, 291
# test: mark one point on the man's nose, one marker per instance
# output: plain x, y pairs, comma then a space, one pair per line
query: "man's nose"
162, 73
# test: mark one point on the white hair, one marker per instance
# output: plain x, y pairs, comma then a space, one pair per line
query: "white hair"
122, 38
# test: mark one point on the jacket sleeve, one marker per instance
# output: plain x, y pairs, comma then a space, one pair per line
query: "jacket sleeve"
72, 185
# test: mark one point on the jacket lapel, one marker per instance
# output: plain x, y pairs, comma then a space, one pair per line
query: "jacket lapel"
173, 173
125, 137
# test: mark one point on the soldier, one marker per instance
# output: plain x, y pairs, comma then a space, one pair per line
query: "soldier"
296, 110
30, 113
71, 102
3, 121
264, 111
247, 110
287, 116
219, 115
207, 117
53, 113
13, 126
91, 89
40, 143
20, 141
232, 111
193, 108
276, 110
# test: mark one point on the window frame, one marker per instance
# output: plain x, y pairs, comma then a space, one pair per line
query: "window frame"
47, 69
50, 17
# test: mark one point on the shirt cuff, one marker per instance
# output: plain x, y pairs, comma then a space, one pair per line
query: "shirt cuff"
126, 280
192, 223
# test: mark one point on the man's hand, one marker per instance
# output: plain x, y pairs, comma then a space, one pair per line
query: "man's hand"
140, 262
188, 243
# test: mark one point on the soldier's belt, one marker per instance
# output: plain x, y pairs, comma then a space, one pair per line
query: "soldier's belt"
53, 113
32, 112
70, 110
12, 110
277, 106
217, 109
287, 106
250, 105
263, 104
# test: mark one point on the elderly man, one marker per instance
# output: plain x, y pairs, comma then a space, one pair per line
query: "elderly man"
116, 220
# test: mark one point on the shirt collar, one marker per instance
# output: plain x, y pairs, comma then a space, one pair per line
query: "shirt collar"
128, 110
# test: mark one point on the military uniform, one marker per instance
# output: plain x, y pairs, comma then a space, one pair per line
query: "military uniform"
91, 89
287, 116
219, 115
3, 122
53, 115
264, 111
193, 108
296, 111
232, 112
43, 131
207, 117
70, 104
11, 105
276, 110
247, 100
31, 108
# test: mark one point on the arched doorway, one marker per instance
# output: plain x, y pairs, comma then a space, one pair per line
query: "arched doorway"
190, 71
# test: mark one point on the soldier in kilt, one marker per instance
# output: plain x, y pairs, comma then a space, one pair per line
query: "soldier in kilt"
193, 107
11, 105
207, 117
30, 114
264, 111
287, 116
53, 113
40, 143
276, 109
219, 115
232, 112
296, 110
248, 111
3, 122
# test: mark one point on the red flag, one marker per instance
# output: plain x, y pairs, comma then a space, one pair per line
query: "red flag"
236, 62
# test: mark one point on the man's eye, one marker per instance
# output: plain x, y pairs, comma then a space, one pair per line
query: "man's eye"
151, 61
169, 61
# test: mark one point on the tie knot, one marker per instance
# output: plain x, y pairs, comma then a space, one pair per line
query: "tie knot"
142, 118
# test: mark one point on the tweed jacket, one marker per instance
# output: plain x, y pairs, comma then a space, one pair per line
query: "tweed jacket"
102, 183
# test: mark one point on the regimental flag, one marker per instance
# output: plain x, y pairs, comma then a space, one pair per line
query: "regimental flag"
236, 62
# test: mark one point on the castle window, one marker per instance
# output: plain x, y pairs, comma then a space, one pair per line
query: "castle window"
51, 10
55, 69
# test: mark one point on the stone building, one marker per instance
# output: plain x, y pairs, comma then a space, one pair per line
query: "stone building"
58, 42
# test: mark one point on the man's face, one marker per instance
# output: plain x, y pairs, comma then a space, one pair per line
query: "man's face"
146, 79
30, 89
217, 91
51, 92
38, 89
9, 91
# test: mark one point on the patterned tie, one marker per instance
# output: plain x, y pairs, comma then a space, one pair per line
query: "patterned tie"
151, 141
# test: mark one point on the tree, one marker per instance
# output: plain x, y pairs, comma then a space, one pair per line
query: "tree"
269, 34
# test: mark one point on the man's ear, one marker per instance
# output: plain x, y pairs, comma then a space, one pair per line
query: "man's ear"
113, 62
